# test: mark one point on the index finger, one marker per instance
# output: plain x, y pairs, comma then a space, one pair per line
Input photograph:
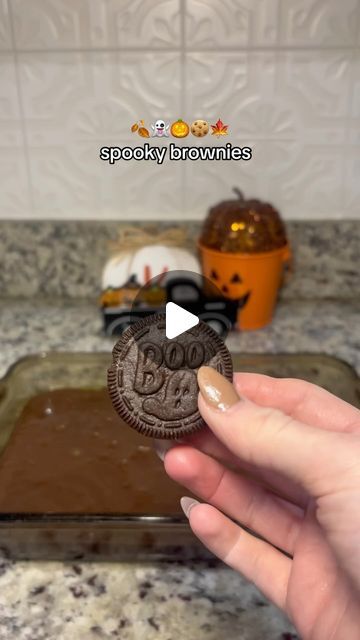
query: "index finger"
268, 438
301, 400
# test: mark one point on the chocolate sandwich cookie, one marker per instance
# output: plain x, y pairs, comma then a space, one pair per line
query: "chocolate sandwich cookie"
153, 380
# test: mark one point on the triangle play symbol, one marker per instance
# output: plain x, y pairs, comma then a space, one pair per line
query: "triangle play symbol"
178, 320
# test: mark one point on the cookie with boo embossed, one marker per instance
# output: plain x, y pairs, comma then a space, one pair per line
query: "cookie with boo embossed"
152, 381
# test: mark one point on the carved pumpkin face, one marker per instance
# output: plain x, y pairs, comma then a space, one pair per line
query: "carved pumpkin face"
230, 287
252, 280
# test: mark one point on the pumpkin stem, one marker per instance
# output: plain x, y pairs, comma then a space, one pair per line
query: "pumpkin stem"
239, 193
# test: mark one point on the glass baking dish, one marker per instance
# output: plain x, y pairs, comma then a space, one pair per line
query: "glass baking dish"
122, 536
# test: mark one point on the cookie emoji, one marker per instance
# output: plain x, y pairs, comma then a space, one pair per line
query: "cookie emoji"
199, 128
152, 380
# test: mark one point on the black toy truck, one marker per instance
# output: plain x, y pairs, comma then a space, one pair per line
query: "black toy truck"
220, 313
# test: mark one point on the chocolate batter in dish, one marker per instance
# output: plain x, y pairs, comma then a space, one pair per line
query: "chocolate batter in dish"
70, 453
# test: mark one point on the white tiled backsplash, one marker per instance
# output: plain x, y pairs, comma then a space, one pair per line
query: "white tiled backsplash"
76, 74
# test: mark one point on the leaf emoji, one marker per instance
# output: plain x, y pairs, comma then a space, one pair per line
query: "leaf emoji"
134, 127
219, 129
143, 132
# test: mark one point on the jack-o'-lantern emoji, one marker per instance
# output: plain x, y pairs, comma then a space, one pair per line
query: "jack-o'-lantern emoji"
243, 248
179, 129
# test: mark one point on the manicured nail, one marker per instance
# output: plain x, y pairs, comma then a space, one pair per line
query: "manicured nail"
162, 447
187, 504
216, 390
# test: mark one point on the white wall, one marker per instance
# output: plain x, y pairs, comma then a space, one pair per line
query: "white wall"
75, 74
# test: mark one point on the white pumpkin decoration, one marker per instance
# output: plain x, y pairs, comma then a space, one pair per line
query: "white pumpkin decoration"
156, 258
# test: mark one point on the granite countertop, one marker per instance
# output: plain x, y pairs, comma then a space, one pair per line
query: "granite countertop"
308, 326
206, 601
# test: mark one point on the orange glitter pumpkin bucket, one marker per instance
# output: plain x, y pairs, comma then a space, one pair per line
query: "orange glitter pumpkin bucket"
244, 249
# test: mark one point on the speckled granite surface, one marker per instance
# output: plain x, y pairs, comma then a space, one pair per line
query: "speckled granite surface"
48, 600
54, 601
308, 326
66, 258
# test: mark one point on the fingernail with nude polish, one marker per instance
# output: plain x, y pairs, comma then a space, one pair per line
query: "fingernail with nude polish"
216, 390
187, 504
163, 446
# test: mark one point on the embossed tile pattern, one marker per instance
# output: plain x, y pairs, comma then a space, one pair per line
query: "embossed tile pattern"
76, 74
70, 24
210, 23
5, 30
319, 22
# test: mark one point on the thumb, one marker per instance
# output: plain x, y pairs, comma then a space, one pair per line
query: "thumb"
268, 438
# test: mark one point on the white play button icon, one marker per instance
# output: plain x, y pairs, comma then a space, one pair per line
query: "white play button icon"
178, 320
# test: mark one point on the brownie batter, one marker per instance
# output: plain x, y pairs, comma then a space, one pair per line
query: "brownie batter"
70, 453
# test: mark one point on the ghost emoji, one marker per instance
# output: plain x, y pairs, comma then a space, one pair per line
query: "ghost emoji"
160, 129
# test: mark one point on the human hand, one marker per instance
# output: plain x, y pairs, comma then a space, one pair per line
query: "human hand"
284, 460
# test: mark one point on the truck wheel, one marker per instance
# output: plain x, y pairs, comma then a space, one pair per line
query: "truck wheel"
119, 325
221, 324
